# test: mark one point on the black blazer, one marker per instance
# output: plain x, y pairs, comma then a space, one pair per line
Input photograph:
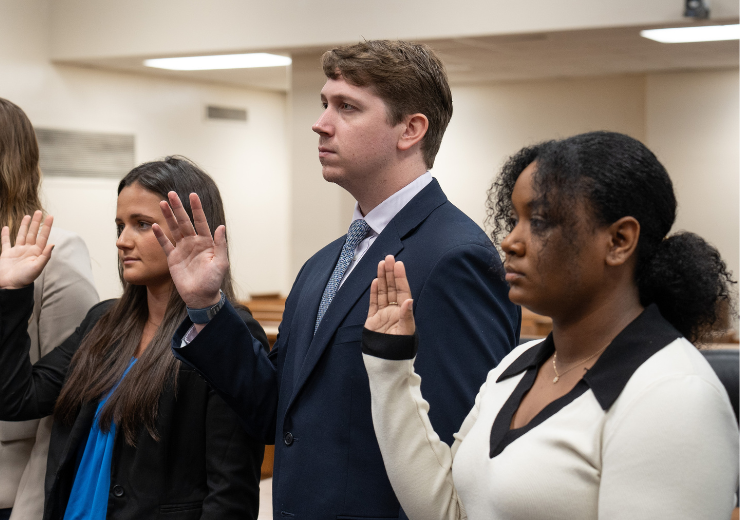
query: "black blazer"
311, 394
204, 466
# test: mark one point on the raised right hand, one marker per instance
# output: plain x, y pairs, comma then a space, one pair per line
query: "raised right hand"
391, 307
21, 264
197, 261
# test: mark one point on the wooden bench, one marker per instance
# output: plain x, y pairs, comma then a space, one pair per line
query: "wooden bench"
534, 326
268, 310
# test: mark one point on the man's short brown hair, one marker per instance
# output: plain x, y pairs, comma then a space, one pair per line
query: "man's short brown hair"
407, 76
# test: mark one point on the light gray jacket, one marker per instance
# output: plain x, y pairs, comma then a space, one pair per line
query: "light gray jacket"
63, 294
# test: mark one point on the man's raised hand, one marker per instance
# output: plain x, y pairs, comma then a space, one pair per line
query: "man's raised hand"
197, 261
391, 307
21, 264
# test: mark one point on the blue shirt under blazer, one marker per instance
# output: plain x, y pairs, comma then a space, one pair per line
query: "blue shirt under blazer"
310, 395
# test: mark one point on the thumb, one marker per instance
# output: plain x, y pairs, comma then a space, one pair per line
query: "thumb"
407, 326
46, 253
219, 241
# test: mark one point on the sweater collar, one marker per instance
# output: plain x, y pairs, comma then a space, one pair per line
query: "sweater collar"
635, 344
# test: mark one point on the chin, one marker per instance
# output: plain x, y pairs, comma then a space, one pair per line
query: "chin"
515, 295
519, 297
133, 280
332, 175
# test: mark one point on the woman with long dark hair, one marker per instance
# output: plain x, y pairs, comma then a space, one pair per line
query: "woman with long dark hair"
62, 295
615, 415
136, 433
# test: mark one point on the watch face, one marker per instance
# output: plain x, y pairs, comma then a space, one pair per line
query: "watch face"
202, 316
214, 310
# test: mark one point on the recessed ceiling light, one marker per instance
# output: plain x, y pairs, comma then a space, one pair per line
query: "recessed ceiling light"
705, 33
224, 61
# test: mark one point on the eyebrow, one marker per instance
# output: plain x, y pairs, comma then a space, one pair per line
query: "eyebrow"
536, 204
138, 215
343, 97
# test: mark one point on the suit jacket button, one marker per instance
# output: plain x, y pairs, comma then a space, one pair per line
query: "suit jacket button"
288, 438
118, 491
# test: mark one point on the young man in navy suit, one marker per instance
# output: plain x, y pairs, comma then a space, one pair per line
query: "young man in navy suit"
386, 107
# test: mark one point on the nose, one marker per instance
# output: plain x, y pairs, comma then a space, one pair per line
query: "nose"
512, 244
124, 240
323, 125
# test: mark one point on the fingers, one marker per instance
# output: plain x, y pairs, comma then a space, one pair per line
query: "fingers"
382, 286
183, 221
162, 239
20, 239
372, 311
43, 235
5, 238
390, 279
169, 217
199, 216
33, 229
403, 290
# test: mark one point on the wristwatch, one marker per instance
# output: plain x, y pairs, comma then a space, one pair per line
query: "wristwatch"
206, 314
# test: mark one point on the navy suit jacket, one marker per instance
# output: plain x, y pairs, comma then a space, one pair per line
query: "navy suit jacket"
310, 395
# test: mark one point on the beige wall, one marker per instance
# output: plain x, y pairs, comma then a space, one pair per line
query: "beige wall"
104, 28
320, 211
279, 208
491, 122
690, 120
692, 126
248, 161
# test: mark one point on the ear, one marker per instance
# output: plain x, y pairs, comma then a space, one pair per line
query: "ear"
414, 130
624, 235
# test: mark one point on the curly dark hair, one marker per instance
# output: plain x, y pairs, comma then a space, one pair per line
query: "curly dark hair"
618, 176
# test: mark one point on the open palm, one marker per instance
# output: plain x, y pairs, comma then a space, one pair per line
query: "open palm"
197, 261
391, 306
22, 263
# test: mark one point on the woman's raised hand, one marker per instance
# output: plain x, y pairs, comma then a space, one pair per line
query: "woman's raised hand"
391, 307
198, 261
21, 264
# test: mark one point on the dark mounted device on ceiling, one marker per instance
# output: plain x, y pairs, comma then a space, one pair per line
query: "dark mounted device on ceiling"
697, 9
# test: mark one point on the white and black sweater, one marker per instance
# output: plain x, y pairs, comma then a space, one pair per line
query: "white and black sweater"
648, 433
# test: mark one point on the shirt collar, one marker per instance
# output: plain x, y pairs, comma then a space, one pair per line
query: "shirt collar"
379, 217
638, 341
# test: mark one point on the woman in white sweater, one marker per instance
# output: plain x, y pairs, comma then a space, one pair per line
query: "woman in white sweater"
615, 415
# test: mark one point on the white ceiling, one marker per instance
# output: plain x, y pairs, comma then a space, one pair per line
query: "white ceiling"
483, 59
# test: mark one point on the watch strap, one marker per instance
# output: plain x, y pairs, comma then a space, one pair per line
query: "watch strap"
206, 314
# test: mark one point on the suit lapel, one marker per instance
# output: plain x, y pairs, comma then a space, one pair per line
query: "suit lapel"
389, 242
308, 304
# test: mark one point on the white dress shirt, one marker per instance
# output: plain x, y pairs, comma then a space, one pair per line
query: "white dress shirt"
383, 213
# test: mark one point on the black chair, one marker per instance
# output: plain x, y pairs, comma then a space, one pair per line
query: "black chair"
726, 364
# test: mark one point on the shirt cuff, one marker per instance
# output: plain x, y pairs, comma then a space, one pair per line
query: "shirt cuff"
389, 346
189, 336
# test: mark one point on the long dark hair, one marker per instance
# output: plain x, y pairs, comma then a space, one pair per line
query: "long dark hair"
618, 176
106, 351
20, 175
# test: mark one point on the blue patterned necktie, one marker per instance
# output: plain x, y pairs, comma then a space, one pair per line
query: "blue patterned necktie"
357, 232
